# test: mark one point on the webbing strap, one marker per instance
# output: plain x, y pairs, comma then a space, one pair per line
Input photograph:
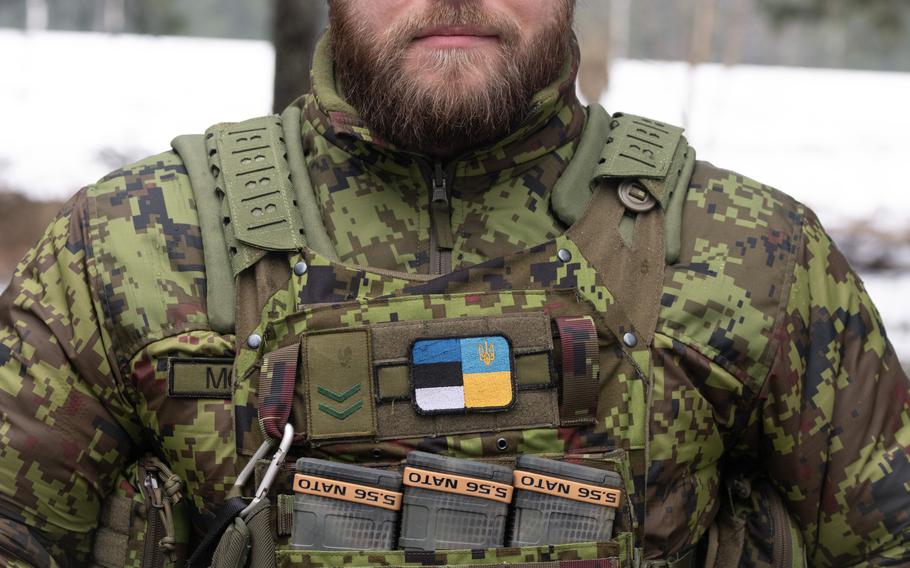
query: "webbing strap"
224, 517
112, 539
625, 146
580, 370
276, 388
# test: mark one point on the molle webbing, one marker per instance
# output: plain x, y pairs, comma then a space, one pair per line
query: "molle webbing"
252, 175
639, 148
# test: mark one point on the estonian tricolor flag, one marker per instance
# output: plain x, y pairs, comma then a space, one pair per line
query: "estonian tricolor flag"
458, 375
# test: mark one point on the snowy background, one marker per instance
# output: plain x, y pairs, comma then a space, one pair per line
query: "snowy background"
73, 106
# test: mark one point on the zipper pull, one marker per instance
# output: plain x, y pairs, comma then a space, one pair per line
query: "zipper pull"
439, 209
440, 189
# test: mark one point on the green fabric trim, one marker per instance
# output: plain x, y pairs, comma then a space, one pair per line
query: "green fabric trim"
627, 230
219, 278
573, 189
317, 237
675, 209
322, 76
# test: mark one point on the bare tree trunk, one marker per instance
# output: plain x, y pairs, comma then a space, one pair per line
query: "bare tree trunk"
36, 14
701, 50
620, 28
114, 18
734, 33
296, 28
703, 32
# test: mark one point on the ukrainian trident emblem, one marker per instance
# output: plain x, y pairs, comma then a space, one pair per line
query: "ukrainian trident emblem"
487, 352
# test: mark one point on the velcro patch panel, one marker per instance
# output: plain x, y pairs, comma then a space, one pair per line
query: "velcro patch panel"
457, 484
200, 378
462, 375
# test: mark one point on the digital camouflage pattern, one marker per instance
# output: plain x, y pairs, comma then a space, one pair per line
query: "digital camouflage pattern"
769, 374
559, 556
499, 195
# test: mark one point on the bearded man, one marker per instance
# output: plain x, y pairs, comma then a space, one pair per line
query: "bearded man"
688, 328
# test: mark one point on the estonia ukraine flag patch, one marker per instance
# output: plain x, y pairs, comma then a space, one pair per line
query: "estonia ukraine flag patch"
462, 375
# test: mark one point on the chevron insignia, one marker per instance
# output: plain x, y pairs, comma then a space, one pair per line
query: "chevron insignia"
341, 414
344, 414
339, 397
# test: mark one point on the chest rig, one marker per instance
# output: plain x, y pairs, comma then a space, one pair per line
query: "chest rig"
330, 349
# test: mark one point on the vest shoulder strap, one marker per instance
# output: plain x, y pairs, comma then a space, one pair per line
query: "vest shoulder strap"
253, 196
653, 154
245, 202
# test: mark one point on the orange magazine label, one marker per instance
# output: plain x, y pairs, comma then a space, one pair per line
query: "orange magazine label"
343, 491
594, 494
448, 483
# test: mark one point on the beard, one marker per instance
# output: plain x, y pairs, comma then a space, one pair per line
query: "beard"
446, 100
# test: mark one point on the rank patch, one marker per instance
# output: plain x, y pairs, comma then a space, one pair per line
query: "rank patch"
461, 375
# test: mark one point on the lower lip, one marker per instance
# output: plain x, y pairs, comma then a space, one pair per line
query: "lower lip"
454, 41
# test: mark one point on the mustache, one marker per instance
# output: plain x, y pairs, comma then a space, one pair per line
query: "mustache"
468, 14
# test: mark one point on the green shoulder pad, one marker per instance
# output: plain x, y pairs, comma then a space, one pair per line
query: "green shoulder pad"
647, 150
259, 205
219, 277
253, 195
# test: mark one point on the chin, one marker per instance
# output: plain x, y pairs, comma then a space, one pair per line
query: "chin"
453, 67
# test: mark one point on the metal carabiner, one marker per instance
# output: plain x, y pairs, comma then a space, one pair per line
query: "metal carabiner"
250, 466
263, 490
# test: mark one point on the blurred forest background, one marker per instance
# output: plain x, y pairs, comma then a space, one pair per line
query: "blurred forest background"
869, 35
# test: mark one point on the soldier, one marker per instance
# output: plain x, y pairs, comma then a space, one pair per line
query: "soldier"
684, 326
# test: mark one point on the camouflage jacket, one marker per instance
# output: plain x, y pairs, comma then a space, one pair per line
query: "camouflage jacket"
770, 378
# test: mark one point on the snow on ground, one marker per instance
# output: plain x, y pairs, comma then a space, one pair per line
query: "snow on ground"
66, 98
834, 139
890, 295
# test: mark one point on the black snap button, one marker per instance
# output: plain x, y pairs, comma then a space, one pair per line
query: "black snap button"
502, 444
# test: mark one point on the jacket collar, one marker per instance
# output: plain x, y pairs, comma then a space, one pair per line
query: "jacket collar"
557, 119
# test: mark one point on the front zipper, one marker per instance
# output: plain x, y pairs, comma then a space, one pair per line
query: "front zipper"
441, 240
783, 544
152, 556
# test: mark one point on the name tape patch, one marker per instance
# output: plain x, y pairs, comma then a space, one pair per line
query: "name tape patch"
343, 491
200, 378
464, 374
586, 493
460, 485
